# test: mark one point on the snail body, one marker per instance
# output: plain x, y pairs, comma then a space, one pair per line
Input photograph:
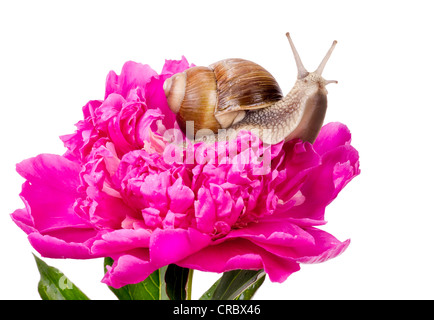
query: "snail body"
237, 94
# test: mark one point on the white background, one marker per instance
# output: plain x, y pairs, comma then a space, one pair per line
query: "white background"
54, 57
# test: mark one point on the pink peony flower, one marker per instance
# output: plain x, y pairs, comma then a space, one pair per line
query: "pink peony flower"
124, 190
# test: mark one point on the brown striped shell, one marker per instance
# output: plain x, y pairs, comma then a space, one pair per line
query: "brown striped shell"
218, 96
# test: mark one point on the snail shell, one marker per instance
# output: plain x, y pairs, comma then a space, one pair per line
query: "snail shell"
217, 96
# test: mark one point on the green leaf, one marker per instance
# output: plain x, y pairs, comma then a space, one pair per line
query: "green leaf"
245, 295
233, 283
152, 288
178, 282
53, 284
250, 291
209, 293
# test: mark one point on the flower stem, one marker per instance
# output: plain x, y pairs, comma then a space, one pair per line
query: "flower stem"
189, 284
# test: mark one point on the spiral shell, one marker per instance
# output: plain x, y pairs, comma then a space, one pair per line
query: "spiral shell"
218, 96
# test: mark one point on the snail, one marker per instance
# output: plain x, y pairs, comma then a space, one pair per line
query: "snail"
237, 94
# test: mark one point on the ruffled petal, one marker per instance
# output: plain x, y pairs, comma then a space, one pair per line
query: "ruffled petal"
240, 254
128, 268
24, 220
175, 66
50, 192
54, 247
121, 240
325, 182
166, 247
172, 245
331, 136
287, 240
156, 99
280, 233
133, 75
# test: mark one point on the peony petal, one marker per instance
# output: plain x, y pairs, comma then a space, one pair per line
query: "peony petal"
240, 254
119, 241
339, 166
156, 99
205, 211
155, 96
117, 136
24, 220
282, 233
147, 123
53, 247
103, 204
129, 267
172, 245
109, 109
181, 196
154, 190
326, 247
175, 66
81, 142
332, 135
307, 245
298, 161
134, 75
112, 84
50, 191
